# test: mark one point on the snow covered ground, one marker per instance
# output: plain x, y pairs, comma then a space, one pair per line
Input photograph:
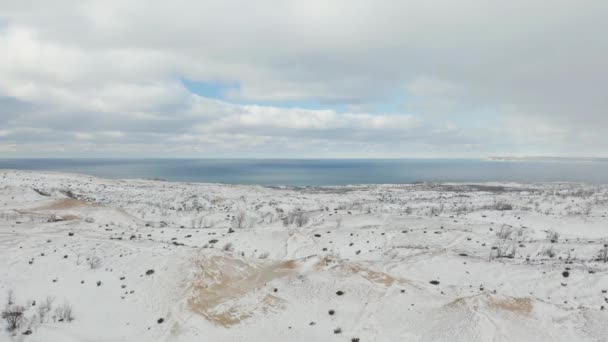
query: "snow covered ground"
144, 260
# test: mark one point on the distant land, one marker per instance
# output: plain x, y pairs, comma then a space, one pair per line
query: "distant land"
549, 159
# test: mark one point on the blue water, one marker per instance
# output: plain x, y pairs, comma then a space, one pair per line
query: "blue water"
322, 171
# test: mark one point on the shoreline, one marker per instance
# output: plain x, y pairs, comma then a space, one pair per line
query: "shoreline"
504, 183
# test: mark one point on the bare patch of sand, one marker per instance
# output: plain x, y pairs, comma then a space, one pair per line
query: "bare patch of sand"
521, 306
217, 200
516, 305
376, 277
220, 281
64, 204
373, 276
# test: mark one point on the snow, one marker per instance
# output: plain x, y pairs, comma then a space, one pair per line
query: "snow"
252, 263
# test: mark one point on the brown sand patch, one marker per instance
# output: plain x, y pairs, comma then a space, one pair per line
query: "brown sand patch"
325, 261
375, 277
46, 217
522, 306
217, 200
221, 281
63, 204
517, 305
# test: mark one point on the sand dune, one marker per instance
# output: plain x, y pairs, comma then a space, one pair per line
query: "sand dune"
143, 260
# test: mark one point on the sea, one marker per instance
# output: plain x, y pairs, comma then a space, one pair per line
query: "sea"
324, 172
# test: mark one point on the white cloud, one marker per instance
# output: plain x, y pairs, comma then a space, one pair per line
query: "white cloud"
472, 78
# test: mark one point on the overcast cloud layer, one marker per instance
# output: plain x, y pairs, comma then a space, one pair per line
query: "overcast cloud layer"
312, 78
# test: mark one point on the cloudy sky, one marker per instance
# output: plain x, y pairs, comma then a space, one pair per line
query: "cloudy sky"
305, 78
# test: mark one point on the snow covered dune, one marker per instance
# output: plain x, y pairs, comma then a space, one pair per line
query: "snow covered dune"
89, 259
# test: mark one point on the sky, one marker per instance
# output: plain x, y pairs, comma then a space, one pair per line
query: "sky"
303, 79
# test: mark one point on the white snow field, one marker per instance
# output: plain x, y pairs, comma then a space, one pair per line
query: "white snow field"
90, 259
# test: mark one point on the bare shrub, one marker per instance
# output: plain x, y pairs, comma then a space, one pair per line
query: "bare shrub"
264, 255
10, 297
587, 208
64, 313
505, 232
300, 219
202, 222
603, 254
240, 219
503, 249
228, 247
552, 236
462, 209
549, 251
45, 307
297, 217
500, 205
13, 315
436, 211
94, 262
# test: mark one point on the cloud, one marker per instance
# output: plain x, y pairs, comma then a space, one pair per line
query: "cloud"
215, 125
469, 79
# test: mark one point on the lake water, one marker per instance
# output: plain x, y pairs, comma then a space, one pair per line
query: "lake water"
322, 171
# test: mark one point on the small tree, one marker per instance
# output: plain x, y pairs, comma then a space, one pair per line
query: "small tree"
13, 316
